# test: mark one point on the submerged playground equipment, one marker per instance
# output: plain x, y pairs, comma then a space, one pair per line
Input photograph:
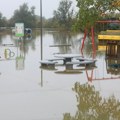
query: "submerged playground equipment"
113, 31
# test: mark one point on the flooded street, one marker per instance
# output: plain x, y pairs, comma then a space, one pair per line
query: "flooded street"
29, 92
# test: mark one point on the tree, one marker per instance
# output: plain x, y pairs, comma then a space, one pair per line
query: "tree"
24, 15
92, 10
3, 21
64, 14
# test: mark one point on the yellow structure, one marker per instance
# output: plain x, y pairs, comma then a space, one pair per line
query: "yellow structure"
102, 48
109, 35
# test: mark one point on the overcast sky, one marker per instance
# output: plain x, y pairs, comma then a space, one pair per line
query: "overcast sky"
7, 7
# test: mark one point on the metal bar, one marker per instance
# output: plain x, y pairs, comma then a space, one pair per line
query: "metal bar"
41, 29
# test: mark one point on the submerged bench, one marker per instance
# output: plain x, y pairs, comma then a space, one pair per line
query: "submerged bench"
58, 59
48, 64
69, 65
55, 59
85, 59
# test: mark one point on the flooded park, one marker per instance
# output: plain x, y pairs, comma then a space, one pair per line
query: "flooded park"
30, 92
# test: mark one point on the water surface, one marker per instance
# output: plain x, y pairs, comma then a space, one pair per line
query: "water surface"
28, 92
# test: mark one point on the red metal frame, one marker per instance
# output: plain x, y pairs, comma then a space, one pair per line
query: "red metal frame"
93, 41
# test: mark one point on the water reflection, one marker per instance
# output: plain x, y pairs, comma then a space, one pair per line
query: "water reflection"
92, 106
113, 59
20, 58
110, 54
13, 48
113, 66
23, 85
63, 38
89, 74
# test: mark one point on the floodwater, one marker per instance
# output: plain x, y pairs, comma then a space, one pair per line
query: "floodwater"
29, 92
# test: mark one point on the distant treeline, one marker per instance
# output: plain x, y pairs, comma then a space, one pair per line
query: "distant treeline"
65, 17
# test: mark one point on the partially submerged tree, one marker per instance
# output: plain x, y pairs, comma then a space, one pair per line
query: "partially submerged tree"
25, 15
64, 14
3, 21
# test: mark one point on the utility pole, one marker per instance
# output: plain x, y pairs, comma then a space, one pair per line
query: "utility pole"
41, 32
41, 40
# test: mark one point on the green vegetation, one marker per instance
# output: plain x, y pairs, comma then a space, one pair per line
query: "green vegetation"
92, 10
64, 15
65, 18
3, 21
24, 15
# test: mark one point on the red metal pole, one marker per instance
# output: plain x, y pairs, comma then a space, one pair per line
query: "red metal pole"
93, 42
91, 77
85, 34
